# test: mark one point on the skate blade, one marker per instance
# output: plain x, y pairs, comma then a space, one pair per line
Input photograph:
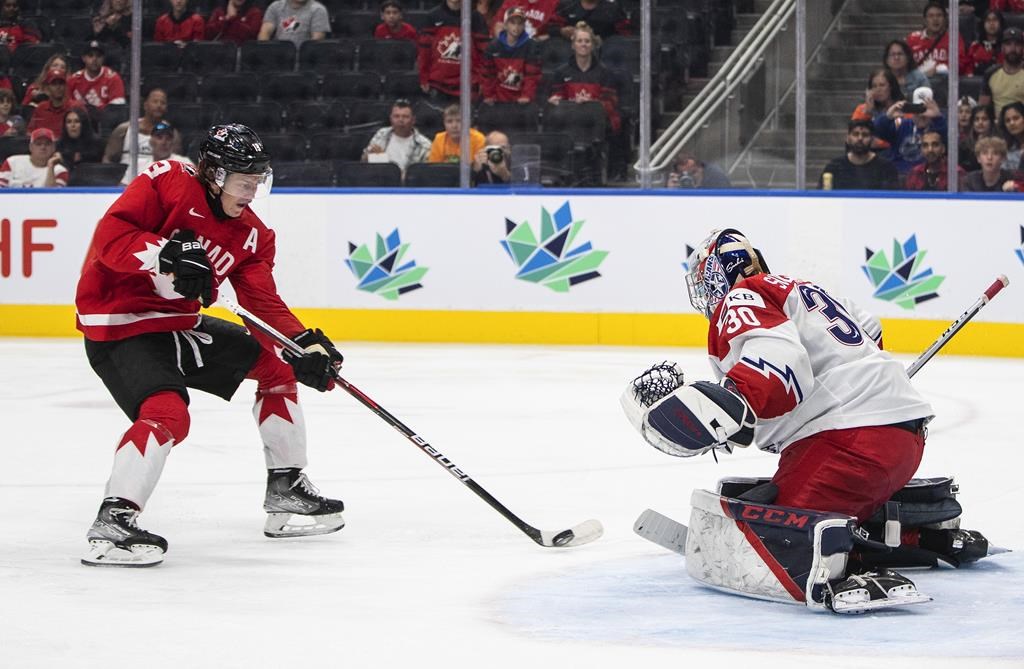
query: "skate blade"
280, 525
106, 554
859, 606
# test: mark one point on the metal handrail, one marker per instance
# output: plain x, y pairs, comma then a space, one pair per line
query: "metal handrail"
742, 62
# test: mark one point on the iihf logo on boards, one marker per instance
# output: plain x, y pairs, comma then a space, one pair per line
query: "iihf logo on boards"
904, 281
552, 261
383, 272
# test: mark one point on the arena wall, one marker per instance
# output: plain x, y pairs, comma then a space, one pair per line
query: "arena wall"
579, 267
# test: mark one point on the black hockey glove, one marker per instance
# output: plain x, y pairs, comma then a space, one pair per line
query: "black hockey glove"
185, 259
317, 366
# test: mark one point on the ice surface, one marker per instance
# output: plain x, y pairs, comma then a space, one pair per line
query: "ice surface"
425, 573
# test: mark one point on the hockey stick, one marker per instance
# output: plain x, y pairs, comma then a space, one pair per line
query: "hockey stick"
993, 290
578, 535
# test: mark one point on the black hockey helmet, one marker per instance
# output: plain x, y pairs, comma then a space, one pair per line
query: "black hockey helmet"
234, 148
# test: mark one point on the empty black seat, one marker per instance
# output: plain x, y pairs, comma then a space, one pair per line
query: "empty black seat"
179, 86
432, 175
260, 116
97, 174
584, 122
72, 28
362, 85
29, 59
554, 53
402, 84
205, 57
507, 117
353, 174
328, 55
291, 174
285, 87
429, 119
368, 114
194, 117
110, 117
621, 53
228, 88
285, 146
261, 57
12, 146
556, 154
338, 146
379, 55
354, 24
160, 57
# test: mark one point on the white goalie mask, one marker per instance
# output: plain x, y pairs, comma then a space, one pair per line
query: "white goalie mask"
718, 264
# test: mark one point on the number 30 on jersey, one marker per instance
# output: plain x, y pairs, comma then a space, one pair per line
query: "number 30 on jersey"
737, 312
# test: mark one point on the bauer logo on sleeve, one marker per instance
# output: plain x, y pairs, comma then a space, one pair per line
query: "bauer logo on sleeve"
385, 271
906, 280
552, 260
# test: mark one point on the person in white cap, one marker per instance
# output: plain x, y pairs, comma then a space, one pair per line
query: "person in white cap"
39, 168
903, 127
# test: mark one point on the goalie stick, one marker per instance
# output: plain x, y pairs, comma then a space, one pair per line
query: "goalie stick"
954, 327
577, 535
671, 534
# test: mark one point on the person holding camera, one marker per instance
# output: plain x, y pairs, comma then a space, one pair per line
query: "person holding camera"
903, 127
688, 172
491, 163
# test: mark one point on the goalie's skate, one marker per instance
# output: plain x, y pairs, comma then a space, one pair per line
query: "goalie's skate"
116, 541
861, 593
296, 509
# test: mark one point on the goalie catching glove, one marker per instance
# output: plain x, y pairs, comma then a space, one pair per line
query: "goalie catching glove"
687, 419
316, 367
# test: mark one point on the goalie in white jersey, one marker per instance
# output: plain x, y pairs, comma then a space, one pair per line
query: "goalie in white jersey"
803, 374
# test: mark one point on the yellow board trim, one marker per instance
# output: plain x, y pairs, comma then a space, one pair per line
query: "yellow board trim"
532, 327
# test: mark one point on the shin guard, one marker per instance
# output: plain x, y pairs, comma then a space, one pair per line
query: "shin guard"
282, 426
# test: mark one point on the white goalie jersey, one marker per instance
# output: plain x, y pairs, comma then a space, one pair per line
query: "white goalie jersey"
807, 362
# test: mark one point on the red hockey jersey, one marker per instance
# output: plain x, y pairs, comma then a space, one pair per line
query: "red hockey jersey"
571, 83
509, 73
540, 15
121, 294
924, 48
107, 88
440, 49
807, 362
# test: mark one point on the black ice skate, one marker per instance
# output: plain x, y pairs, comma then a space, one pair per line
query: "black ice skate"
116, 541
955, 546
295, 507
872, 590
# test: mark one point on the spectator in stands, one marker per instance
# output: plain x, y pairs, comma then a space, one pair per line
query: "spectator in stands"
904, 131
295, 21
400, 142
179, 25
50, 112
933, 173
11, 124
391, 25
161, 141
992, 177
987, 50
40, 168
859, 168
440, 50
982, 125
900, 61
511, 64
1005, 84
605, 18
112, 23
13, 30
36, 91
78, 143
690, 172
964, 108
883, 91
96, 85
930, 46
584, 79
1011, 124
154, 108
1012, 6
235, 21
540, 15
446, 147
491, 165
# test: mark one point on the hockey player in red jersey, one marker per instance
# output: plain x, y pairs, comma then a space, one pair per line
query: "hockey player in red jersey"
803, 374
164, 246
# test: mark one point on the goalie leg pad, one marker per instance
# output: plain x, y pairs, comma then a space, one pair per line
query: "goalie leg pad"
766, 551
